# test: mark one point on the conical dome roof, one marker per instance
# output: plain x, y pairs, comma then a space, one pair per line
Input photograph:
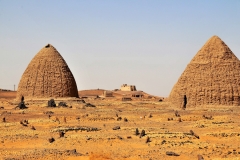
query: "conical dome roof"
47, 75
212, 77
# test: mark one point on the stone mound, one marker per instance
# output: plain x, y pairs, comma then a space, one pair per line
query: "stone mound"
211, 78
47, 75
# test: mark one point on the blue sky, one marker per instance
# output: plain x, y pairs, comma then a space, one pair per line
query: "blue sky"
107, 42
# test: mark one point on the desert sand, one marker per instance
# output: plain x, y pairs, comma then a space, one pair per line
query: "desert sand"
89, 131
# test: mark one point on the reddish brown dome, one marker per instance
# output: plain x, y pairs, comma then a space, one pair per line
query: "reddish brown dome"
212, 77
47, 75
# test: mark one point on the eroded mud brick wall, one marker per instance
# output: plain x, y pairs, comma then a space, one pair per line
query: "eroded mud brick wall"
211, 78
47, 75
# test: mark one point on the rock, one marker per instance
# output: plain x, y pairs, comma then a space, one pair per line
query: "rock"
177, 114
179, 120
51, 140
61, 134
119, 118
51, 103
163, 142
150, 115
116, 128
25, 121
142, 133
208, 117
62, 104
23, 124
33, 128
137, 132
48, 112
148, 140
170, 153
194, 134
89, 105
71, 152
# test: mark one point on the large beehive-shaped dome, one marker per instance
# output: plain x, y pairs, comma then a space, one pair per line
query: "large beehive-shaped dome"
211, 78
47, 75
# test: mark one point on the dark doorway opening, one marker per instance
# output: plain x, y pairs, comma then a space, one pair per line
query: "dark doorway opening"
184, 102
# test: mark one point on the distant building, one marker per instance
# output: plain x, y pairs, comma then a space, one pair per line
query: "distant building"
126, 87
108, 94
47, 75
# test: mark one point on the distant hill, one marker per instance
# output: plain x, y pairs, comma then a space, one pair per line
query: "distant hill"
8, 94
91, 92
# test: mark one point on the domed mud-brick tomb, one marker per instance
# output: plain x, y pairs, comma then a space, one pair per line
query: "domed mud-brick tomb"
47, 76
211, 78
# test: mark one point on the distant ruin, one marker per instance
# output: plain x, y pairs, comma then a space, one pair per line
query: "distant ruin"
107, 93
126, 87
47, 75
211, 78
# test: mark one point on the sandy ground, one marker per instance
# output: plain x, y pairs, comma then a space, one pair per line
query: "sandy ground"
89, 131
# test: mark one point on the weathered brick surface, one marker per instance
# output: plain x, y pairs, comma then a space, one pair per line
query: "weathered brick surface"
47, 75
211, 78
